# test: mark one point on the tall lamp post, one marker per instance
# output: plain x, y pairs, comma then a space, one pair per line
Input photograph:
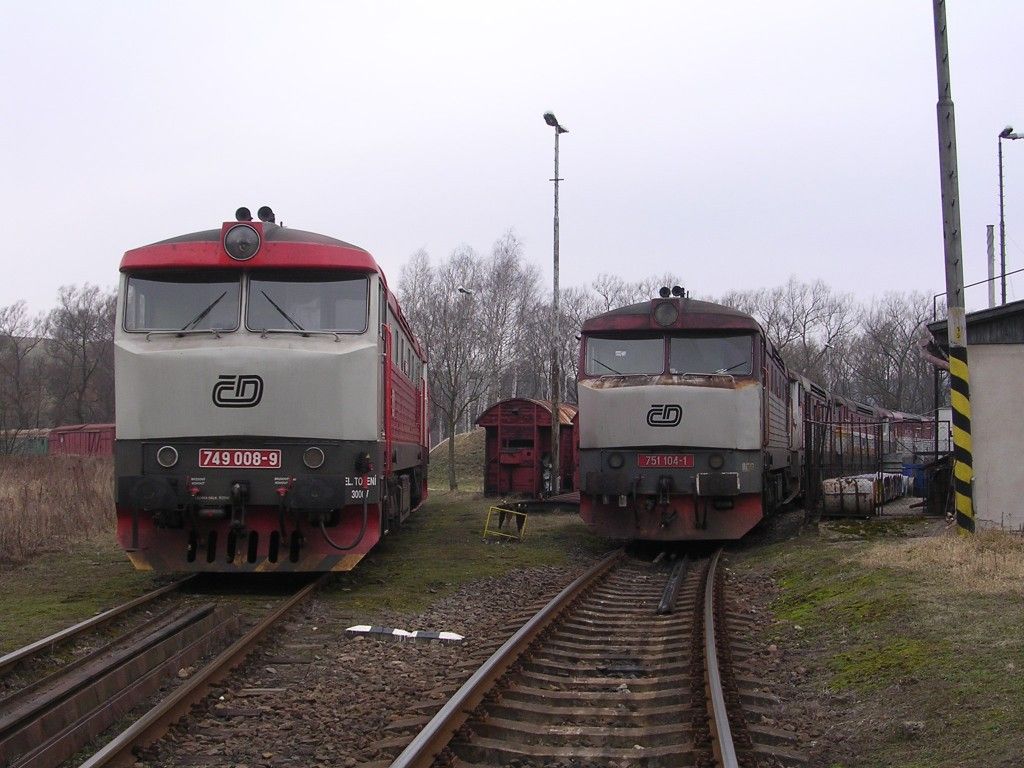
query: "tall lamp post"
556, 421
1006, 133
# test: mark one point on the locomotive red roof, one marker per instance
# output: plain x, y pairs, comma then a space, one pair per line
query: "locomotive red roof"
281, 247
693, 315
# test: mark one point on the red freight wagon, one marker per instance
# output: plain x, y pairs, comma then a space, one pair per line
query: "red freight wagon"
518, 447
82, 440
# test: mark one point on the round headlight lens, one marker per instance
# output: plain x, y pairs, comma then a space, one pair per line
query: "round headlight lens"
241, 242
167, 456
666, 313
313, 458
615, 460
716, 460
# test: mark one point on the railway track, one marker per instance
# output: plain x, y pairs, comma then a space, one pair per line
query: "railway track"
28, 653
623, 667
51, 719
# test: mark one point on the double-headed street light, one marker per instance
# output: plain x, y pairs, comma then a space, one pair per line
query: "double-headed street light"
556, 421
1006, 133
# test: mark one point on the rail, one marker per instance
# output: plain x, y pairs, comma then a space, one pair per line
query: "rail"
12, 658
725, 750
428, 744
154, 723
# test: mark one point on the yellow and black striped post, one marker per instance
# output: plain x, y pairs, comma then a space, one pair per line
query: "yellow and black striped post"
956, 324
963, 464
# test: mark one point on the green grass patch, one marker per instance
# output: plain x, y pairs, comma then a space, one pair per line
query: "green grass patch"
868, 668
469, 462
868, 529
899, 640
441, 547
55, 590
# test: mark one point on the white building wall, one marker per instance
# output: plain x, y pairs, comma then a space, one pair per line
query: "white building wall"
997, 428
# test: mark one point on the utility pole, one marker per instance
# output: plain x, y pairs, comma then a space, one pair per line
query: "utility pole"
956, 323
556, 344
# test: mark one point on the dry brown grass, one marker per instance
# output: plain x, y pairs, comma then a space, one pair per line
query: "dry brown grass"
989, 562
48, 502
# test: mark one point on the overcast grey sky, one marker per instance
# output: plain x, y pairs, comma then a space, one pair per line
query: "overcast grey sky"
733, 143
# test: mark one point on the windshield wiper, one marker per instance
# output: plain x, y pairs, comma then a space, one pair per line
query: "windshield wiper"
605, 365
726, 370
284, 314
204, 313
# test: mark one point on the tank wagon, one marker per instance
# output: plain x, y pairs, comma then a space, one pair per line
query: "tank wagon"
691, 427
271, 402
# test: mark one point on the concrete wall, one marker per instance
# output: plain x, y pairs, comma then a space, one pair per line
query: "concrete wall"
997, 430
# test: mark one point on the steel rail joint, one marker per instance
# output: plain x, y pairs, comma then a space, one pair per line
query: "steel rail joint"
428, 744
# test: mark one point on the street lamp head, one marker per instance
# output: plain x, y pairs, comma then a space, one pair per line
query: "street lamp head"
464, 290
550, 119
1005, 133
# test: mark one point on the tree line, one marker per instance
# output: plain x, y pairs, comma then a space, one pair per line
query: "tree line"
57, 367
485, 321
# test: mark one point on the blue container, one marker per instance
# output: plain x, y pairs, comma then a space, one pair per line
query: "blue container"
917, 472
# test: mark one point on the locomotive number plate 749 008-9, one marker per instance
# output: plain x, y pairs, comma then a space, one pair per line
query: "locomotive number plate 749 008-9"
250, 458
665, 460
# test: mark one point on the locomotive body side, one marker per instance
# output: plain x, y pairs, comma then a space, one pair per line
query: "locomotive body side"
680, 436
264, 422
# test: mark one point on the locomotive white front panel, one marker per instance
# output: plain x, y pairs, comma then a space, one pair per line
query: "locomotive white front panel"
622, 416
241, 384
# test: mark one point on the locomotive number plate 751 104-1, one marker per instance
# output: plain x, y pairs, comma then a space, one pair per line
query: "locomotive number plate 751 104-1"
665, 460
249, 458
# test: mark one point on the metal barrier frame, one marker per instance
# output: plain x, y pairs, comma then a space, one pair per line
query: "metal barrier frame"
502, 511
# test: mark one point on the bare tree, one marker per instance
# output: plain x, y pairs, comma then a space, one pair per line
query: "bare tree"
454, 336
506, 296
810, 325
82, 354
22, 384
887, 369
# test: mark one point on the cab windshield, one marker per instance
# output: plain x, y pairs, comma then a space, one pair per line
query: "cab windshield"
174, 301
307, 302
617, 356
711, 354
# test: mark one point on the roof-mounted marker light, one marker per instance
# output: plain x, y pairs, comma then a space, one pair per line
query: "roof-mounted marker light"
241, 242
243, 214
265, 214
664, 292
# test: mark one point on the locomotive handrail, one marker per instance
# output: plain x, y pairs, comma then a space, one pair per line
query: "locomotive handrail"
265, 332
215, 331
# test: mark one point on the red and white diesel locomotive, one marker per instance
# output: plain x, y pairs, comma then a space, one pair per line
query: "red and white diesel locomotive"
691, 427
271, 402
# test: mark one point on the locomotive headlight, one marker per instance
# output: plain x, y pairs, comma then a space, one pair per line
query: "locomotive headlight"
313, 457
167, 456
716, 460
666, 313
241, 242
615, 460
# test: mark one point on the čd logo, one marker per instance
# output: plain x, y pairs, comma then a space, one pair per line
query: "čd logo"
244, 390
664, 415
